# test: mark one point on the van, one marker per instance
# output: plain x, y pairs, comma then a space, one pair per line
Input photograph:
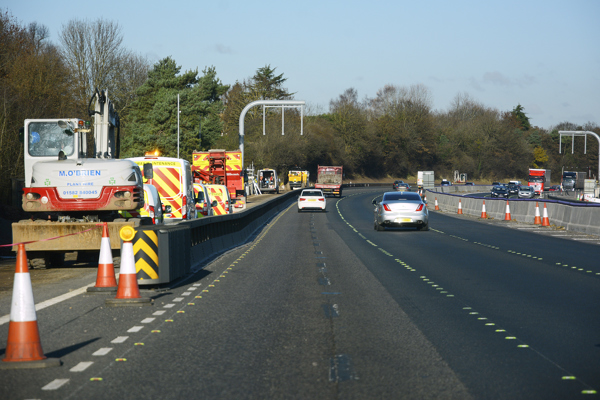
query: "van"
153, 210
172, 177
268, 181
204, 206
221, 195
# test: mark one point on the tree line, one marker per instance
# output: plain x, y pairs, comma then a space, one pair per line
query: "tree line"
392, 135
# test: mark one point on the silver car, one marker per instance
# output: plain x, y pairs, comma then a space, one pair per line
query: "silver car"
401, 209
526, 192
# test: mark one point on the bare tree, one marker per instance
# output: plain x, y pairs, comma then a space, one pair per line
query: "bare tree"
97, 59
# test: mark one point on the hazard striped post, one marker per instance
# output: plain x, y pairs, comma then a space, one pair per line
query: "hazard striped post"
437, 208
23, 347
105, 280
507, 213
459, 207
538, 219
483, 212
545, 220
128, 291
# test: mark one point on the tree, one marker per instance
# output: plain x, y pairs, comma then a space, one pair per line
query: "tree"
521, 117
153, 116
94, 53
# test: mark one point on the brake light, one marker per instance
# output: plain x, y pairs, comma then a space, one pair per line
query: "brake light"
420, 208
302, 199
151, 212
387, 208
321, 199
184, 208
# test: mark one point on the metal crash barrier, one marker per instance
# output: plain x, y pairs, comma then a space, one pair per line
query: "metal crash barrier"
164, 253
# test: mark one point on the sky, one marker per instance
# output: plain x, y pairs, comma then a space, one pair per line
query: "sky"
544, 55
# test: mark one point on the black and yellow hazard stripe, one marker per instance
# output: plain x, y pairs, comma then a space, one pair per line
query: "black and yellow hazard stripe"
145, 250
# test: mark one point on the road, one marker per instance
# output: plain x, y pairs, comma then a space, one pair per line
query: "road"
319, 305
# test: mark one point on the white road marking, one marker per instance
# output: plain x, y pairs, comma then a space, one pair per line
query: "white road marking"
170, 305
178, 299
147, 320
136, 329
102, 352
82, 366
160, 312
119, 339
55, 384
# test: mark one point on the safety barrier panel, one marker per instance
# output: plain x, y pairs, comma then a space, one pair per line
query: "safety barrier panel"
574, 216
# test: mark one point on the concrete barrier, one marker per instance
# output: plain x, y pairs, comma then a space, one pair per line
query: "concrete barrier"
574, 216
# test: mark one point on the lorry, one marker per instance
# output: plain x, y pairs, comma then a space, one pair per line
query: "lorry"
172, 177
539, 179
221, 167
573, 180
268, 181
329, 179
68, 191
297, 178
425, 180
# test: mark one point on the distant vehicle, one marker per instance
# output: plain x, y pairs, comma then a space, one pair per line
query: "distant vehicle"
555, 188
402, 187
268, 181
311, 199
446, 183
396, 183
401, 209
469, 184
518, 183
221, 195
539, 179
573, 180
526, 192
513, 189
496, 184
499, 191
425, 179
203, 204
329, 179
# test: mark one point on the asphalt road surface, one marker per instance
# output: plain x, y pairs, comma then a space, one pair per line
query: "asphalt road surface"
320, 305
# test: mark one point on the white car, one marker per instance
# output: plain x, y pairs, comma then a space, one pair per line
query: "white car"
311, 199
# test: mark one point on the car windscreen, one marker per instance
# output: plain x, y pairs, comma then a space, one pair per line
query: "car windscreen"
400, 196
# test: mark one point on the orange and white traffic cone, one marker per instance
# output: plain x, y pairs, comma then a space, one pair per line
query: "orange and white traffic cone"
105, 281
537, 220
545, 220
459, 207
23, 347
507, 214
128, 291
483, 213
437, 208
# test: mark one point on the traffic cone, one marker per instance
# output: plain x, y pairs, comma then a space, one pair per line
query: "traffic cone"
437, 208
545, 220
128, 291
507, 214
105, 280
537, 220
459, 207
23, 347
483, 213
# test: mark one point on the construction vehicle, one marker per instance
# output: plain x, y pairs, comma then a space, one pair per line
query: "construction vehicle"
539, 179
172, 177
329, 180
67, 192
221, 167
573, 180
297, 178
268, 181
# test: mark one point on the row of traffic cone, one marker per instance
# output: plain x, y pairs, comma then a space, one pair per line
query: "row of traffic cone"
545, 221
23, 347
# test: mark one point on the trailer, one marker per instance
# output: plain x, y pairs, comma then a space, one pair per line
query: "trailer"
329, 179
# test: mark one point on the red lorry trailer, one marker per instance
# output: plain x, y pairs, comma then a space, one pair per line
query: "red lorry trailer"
329, 179
539, 179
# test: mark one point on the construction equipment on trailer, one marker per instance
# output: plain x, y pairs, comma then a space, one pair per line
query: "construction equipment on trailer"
68, 191
221, 167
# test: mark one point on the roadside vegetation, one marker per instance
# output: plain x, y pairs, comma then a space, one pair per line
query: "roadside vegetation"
394, 134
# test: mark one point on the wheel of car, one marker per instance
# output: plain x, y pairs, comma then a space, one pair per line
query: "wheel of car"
379, 227
423, 227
